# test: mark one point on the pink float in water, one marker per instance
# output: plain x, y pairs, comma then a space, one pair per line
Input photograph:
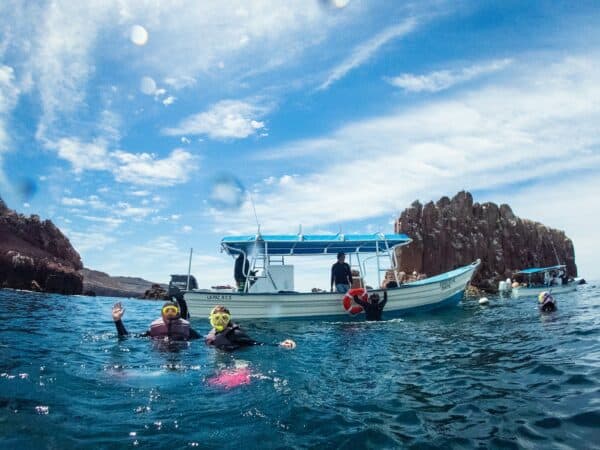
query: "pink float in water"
229, 379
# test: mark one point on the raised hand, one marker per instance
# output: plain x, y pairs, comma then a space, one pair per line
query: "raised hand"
117, 311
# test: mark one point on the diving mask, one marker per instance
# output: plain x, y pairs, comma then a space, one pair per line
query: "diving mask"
171, 312
219, 320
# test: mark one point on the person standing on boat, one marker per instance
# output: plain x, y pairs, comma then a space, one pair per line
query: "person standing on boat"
240, 271
341, 275
373, 306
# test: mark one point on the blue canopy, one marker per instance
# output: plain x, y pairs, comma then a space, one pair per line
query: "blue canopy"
540, 269
312, 244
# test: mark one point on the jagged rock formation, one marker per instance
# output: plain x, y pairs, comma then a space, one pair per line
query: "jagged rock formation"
35, 255
103, 284
455, 232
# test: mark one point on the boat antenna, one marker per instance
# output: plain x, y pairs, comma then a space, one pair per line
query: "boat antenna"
254, 209
187, 284
555, 254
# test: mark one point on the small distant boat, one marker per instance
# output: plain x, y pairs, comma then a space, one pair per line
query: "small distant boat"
269, 291
555, 285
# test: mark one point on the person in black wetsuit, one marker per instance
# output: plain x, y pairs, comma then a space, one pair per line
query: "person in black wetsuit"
373, 306
227, 335
170, 325
240, 271
341, 275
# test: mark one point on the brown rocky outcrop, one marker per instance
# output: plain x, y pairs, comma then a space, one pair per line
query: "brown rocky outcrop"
156, 292
455, 232
36, 255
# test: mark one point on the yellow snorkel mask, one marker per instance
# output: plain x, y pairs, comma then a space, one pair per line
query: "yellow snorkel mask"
170, 311
219, 318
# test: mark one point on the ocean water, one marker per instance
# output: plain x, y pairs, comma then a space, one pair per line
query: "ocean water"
497, 376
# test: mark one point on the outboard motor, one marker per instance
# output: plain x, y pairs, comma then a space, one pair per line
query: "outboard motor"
504, 286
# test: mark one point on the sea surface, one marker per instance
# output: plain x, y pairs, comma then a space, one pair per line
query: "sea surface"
497, 376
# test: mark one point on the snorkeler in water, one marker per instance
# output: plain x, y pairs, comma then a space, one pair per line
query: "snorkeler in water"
373, 306
546, 302
227, 335
170, 325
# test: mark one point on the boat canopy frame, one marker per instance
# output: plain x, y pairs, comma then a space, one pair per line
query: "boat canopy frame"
534, 270
262, 247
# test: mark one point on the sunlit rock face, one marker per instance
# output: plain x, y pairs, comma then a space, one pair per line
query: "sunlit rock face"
455, 232
35, 255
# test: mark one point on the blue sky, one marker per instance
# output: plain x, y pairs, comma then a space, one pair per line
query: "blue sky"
119, 120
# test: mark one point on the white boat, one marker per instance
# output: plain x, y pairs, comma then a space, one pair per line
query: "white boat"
271, 293
531, 289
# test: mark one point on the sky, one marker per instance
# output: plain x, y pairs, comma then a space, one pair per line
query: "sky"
145, 128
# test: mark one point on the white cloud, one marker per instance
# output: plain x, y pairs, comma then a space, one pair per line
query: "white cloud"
186, 229
136, 212
227, 119
135, 168
89, 241
140, 193
179, 83
9, 93
82, 155
110, 223
72, 201
169, 100
147, 169
60, 48
444, 79
539, 122
366, 50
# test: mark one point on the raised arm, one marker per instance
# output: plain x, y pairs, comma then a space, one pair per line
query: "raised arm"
360, 302
384, 301
117, 314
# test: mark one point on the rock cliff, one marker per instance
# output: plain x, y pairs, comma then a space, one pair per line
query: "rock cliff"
455, 232
34, 254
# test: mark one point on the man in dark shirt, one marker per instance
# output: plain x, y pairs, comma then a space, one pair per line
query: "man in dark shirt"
341, 275
240, 271
373, 307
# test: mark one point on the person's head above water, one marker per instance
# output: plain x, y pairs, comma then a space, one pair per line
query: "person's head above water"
374, 298
219, 317
170, 311
341, 256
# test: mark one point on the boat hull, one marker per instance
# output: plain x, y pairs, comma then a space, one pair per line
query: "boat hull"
535, 291
435, 292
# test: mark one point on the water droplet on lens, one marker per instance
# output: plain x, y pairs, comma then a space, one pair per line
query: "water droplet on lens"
27, 188
138, 35
227, 192
147, 86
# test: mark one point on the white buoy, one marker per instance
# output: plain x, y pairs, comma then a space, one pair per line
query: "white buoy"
483, 301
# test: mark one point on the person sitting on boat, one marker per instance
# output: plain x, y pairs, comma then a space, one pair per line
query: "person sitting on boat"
373, 306
240, 271
547, 302
227, 335
341, 275
170, 325
547, 278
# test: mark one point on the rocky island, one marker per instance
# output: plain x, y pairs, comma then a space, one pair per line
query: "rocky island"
455, 232
36, 255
